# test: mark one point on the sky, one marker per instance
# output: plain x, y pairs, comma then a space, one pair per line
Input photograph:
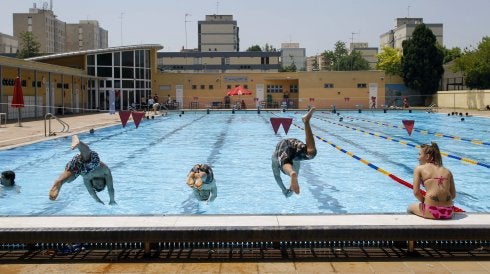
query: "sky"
315, 24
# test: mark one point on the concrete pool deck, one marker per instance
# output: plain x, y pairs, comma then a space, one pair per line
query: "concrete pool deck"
33, 131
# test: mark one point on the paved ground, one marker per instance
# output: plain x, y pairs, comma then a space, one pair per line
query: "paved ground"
32, 131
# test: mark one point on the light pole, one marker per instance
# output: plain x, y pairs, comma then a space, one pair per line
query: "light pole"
121, 17
185, 25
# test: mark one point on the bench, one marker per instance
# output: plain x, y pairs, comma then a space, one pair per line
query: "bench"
241, 228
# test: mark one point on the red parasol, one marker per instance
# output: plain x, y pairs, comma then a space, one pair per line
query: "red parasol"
239, 90
18, 98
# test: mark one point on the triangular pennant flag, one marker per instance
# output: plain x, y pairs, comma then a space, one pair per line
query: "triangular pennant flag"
137, 116
408, 124
276, 122
286, 123
124, 115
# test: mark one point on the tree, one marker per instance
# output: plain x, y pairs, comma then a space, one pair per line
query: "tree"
422, 61
269, 48
341, 60
29, 45
254, 48
475, 65
450, 54
390, 60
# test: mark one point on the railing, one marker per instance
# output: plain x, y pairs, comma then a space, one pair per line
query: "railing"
47, 128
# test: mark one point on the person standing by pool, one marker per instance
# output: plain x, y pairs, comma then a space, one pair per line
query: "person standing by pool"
96, 175
289, 153
438, 182
201, 180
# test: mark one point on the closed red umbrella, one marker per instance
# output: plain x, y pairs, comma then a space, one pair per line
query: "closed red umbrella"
18, 98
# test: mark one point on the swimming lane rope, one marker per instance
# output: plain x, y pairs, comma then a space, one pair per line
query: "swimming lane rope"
473, 141
463, 159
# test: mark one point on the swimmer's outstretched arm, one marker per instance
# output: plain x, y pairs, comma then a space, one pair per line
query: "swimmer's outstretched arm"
214, 192
110, 185
276, 170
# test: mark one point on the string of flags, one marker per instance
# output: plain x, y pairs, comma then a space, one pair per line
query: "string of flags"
125, 114
285, 122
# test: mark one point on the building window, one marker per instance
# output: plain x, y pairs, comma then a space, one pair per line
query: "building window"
361, 85
210, 87
328, 85
194, 86
245, 86
293, 88
203, 86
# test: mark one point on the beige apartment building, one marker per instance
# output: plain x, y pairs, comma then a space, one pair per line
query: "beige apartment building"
86, 35
56, 36
403, 30
218, 33
8, 44
46, 28
368, 53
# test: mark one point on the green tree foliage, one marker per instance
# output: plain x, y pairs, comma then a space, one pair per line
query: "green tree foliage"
390, 60
254, 48
422, 61
30, 47
269, 48
341, 60
449, 54
475, 65
290, 68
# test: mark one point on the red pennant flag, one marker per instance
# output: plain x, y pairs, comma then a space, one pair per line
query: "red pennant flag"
137, 116
276, 122
286, 123
408, 124
124, 116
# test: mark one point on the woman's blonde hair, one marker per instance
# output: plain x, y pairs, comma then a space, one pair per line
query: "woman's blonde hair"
434, 154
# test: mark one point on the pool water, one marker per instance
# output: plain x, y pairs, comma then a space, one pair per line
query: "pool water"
150, 164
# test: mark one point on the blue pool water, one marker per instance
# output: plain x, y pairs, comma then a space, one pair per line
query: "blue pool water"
150, 164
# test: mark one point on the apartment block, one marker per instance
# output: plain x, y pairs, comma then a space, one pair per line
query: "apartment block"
8, 44
86, 35
403, 30
291, 53
218, 33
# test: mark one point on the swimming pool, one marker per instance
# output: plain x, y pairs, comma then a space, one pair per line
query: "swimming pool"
150, 164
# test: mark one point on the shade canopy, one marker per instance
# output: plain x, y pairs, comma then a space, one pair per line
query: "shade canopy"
238, 90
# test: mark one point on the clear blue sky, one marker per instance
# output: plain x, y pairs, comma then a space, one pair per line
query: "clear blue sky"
315, 24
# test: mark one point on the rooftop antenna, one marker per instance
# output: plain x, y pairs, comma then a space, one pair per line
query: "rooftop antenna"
217, 7
352, 37
51, 5
121, 18
185, 25
408, 12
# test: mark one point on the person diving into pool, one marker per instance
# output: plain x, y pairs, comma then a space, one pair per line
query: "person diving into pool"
288, 154
96, 175
202, 182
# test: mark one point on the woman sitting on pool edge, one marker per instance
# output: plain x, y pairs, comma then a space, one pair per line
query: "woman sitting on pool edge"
438, 182
201, 180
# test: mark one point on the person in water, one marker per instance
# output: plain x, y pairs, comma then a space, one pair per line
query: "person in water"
96, 175
202, 182
438, 182
289, 153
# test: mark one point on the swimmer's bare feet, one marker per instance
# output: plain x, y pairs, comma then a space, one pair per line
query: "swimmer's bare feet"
74, 141
53, 193
198, 182
294, 182
190, 179
306, 118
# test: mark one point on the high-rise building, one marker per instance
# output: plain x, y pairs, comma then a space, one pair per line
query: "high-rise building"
368, 53
403, 30
86, 35
8, 44
291, 54
56, 36
218, 33
46, 28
